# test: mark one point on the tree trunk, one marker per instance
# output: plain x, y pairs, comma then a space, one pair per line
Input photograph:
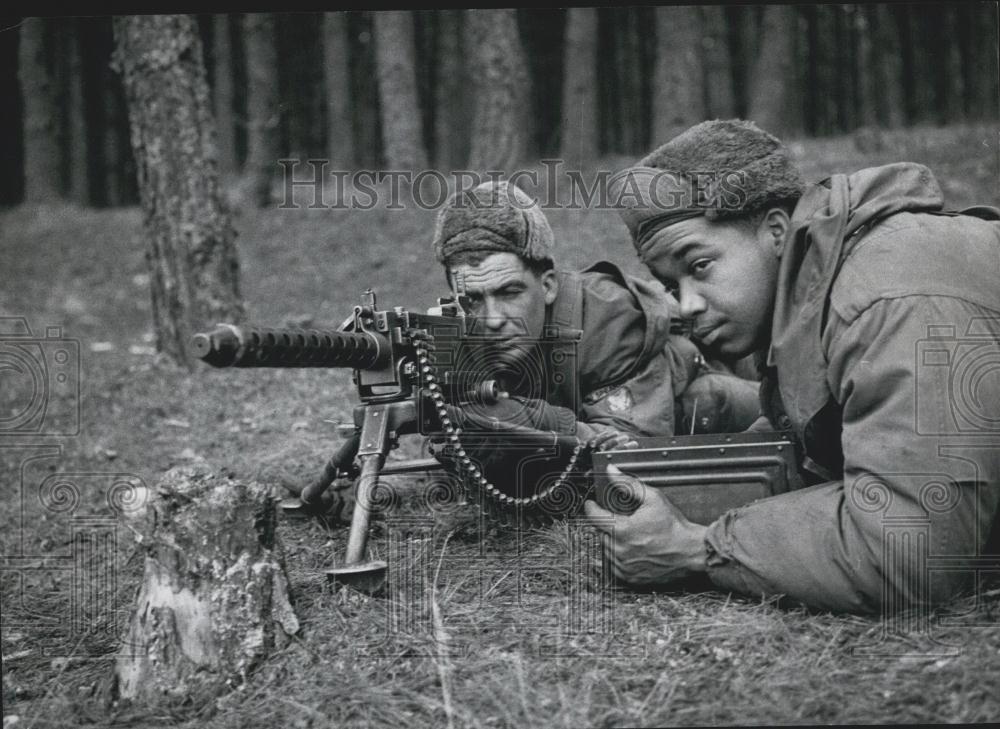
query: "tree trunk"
743, 25
883, 75
843, 74
977, 41
451, 118
364, 91
223, 97
41, 143
214, 599
111, 119
499, 78
111, 97
337, 80
79, 186
773, 80
948, 80
579, 99
625, 71
717, 77
192, 255
395, 58
866, 66
677, 77
262, 106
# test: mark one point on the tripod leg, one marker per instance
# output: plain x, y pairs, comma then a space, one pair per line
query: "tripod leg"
357, 540
341, 460
368, 576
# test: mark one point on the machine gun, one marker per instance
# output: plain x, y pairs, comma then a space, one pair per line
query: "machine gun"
411, 369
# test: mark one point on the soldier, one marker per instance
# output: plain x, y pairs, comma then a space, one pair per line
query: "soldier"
632, 376
876, 318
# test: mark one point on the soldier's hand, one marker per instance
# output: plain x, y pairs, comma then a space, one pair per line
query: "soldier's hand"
511, 414
613, 440
654, 545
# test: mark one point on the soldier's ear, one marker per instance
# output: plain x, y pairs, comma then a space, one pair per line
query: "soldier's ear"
774, 230
550, 285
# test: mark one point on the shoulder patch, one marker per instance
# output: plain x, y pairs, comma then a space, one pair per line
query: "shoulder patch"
617, 400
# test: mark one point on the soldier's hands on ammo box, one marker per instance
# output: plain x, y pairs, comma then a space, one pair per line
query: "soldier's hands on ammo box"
607, 440
654, 545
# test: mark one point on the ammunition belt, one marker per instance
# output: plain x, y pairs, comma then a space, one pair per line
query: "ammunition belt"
557, 499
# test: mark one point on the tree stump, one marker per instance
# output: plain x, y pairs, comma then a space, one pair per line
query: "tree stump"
214, 597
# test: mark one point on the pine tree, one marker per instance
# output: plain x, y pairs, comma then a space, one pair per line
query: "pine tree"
579, 99
397, 83
223, 93
337, 80
262, 106
500, 79
773, 80
41, 144
191, 251
678, 100
451, 98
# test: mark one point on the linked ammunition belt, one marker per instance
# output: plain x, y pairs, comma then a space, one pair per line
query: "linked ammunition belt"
556, 499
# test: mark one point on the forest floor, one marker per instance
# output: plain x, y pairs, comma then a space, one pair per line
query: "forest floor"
526, 636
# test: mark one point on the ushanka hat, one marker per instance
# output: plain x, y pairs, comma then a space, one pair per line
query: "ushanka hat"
719, 169
496, 217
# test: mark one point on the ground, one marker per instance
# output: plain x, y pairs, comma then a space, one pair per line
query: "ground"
487, 627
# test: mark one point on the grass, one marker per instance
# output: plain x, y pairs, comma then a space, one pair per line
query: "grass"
483, 633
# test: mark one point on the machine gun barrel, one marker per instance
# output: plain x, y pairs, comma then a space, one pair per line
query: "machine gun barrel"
249, 346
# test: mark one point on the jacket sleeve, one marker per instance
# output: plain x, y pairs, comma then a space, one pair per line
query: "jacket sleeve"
920, 479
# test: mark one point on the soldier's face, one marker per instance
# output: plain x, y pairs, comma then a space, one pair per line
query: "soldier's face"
506, 298
723, 275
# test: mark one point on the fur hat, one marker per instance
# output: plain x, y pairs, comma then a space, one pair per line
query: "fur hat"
719, 169
496, 217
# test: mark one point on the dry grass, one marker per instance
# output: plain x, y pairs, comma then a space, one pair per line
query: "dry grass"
484, 633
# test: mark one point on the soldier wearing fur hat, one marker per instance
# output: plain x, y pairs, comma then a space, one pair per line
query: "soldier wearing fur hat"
630, 370
875, 314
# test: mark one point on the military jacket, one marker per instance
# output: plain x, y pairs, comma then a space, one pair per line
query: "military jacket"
630, 369
885, 365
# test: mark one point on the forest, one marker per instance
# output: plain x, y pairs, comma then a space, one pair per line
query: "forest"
140, 201
472, 89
